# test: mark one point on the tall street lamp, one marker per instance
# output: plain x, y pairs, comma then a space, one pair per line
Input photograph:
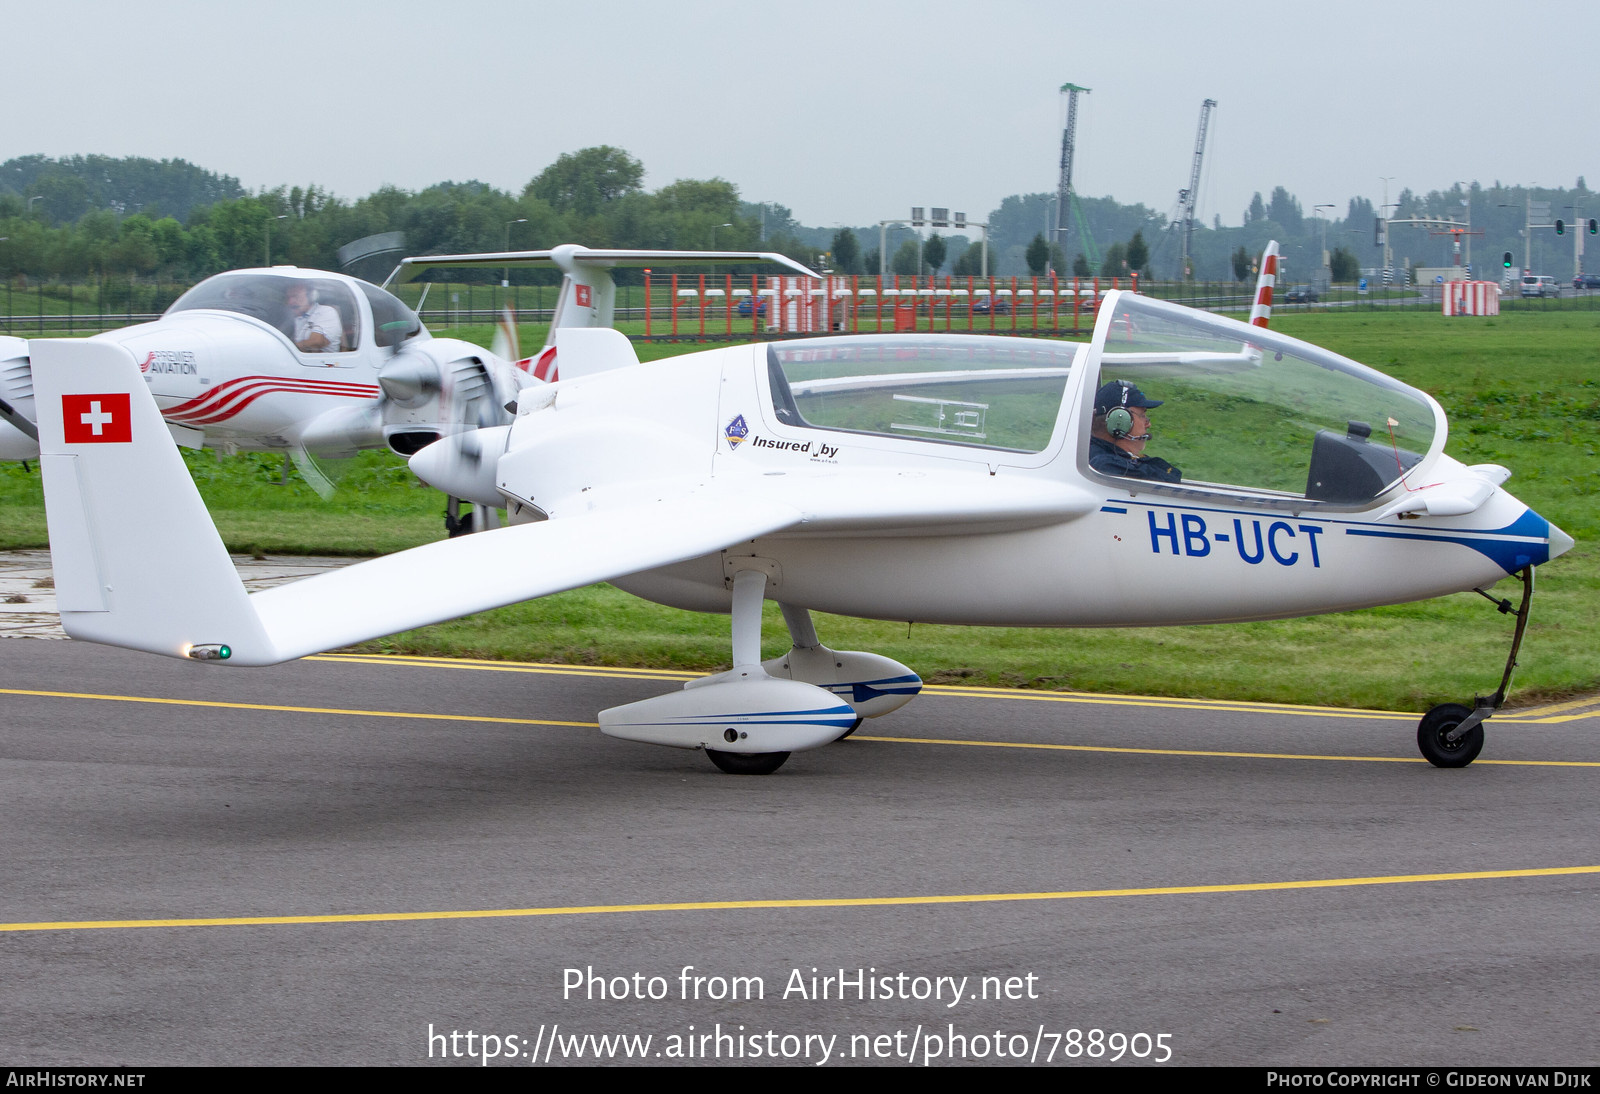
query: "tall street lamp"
505, 274
269, 239
1317, 210
1384, 211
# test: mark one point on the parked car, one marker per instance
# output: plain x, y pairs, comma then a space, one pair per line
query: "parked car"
1586, 281
1539, 285
1300, 294
745, 305
983, 304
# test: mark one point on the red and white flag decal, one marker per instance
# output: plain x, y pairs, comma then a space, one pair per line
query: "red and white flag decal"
585, 300
96, 419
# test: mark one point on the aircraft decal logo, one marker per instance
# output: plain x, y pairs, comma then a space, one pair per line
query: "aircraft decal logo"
737, 432
170, 360
96, 419
585, 296
227, 399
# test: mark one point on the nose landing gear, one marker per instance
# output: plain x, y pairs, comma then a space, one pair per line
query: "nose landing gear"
1451, 735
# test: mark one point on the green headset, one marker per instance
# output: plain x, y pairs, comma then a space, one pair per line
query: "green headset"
1119, 421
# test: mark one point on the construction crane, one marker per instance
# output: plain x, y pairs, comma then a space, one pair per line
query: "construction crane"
1188, 197
1065, 198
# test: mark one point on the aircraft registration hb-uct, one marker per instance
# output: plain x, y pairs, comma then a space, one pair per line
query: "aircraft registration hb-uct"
941, 478
313, 363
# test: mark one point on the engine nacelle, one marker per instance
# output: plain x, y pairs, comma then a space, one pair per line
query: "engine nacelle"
463, 465
441, 387
18, 441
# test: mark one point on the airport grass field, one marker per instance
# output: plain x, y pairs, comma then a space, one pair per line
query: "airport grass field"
1521, 389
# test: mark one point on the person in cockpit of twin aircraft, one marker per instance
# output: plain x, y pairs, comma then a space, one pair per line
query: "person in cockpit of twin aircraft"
317, 327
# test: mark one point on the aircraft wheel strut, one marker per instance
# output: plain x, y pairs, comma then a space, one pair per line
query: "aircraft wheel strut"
1433, 736
747, 763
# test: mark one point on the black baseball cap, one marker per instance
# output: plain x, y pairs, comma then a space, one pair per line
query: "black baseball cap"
1122, 393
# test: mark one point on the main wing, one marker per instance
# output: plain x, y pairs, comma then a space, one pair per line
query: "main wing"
139, 563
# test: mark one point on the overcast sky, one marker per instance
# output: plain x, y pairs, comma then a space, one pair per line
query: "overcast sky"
848, 112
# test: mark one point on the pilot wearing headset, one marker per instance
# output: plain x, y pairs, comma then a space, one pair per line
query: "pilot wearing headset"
317, 327
1121, 428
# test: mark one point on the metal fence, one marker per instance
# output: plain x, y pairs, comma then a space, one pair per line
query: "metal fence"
721, 307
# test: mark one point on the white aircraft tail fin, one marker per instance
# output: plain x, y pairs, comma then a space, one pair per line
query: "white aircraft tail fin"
1261, 309
137, 561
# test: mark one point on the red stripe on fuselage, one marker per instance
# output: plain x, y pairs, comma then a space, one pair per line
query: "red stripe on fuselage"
229, 398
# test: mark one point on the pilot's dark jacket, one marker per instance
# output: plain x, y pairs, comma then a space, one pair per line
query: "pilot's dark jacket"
1108, 459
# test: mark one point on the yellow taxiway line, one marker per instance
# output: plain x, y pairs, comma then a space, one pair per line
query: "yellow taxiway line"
1548, 714
823, 902
351, 712
1208, 752
356, 712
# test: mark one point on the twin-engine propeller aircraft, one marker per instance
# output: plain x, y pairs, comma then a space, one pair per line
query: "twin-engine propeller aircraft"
955, 479
290, 360
322, 364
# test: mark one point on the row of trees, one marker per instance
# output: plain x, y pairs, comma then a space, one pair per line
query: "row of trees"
88, 216
594, 196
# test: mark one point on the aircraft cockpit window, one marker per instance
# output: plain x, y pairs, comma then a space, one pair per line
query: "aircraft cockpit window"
317, 314
392, 321
968, 390
1228, 406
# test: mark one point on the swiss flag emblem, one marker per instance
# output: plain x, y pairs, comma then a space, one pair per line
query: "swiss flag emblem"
96, 419
584, 299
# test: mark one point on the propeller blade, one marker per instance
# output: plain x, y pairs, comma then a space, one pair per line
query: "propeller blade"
307, 466
504, 345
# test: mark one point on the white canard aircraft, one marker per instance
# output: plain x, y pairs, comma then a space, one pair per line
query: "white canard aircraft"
231, 368
920, 477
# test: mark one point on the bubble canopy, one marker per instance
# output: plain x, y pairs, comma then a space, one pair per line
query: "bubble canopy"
263, 296
995, 393
1248, 410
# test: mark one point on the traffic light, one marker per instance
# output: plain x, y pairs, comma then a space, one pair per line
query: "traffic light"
1592, 226
1505, 260
1561, 227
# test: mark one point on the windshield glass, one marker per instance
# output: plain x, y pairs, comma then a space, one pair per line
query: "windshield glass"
1247, 409
987, 392
392, 321
318, 314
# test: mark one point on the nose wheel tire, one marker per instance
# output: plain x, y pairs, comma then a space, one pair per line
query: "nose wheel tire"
855, 725
1433, 740
747, 763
